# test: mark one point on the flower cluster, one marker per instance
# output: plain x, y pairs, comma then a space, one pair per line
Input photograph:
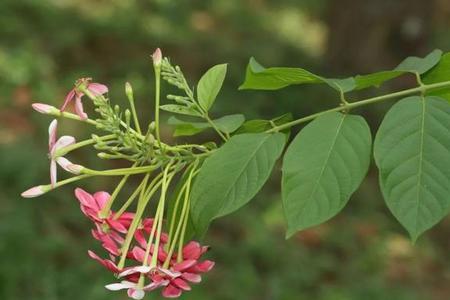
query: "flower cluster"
172, 273
141, 252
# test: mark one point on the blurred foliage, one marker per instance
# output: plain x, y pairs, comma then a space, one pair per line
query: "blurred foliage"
46, 45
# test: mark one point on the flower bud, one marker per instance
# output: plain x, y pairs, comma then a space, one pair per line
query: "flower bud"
44, 108
75, 169
157, 58
35, 191
128, 90
103, 155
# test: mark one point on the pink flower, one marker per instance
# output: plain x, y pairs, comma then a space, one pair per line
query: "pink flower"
92, 205
133, 289
55, 145
95, 88
189, 270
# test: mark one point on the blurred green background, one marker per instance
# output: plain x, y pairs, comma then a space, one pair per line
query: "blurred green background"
45, 45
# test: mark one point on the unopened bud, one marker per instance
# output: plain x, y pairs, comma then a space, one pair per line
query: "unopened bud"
75, 169
102, 155
128, 90
152, 126
157, 58
127, 117
35, 191
44, 108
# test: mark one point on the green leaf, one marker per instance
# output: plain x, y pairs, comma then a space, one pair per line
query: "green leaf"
409, 65
179, 109
375, 79
229, 124
259, 125
233, 175
210, 84
440, 73
226, 124
420, 65
259, 78
323, 166
412, 152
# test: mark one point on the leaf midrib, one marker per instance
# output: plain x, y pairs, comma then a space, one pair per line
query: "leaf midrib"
316, 185
419, 177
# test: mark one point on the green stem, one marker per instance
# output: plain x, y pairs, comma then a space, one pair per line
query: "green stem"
132, 197
71, 116
162, 200
207, 118
65, 150
121, 171
157, 101
106, 209
421, 89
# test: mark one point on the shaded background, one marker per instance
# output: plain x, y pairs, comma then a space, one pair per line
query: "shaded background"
361, 254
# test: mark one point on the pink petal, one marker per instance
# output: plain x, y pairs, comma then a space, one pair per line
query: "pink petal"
64, 141
136, 294
105, 262
86, 199
155, 285
138, 254
79, 108
140, 238
204, 266
52, 134
117, 237
33, 192
192, 277
186, 264
101, 198
65, 164
181, 284
192, 250
75, 169
116, 225
97, 88
68, 98
138, 269
170, 273
53, 178
171, 292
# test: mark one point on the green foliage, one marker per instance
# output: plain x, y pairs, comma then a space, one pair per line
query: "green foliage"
210, 84
412, 152
419, 65
257, 126
233, 175
179, 109
260, 78
323, 166
441, 72
226, 124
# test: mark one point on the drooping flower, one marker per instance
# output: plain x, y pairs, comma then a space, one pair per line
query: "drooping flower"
55, 145
95, 88
142, 273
